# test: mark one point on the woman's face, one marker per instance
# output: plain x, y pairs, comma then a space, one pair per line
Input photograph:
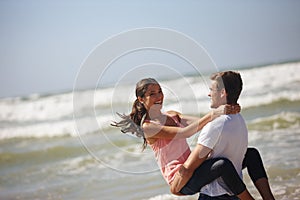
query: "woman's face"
153, 98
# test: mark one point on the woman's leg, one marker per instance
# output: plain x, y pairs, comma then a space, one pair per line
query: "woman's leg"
257, 173
212, 169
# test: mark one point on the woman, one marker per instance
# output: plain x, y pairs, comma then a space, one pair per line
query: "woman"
166, 133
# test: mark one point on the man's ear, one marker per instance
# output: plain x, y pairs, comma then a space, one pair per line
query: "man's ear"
223, 93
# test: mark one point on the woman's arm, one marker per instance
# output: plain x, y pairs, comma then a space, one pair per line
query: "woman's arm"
155, 131
187, 119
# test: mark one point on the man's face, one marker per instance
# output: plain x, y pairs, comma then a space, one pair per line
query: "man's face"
217, 96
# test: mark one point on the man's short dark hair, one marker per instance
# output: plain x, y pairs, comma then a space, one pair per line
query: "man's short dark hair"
231, 82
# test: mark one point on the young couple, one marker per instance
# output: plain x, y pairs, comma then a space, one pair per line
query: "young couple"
214, 166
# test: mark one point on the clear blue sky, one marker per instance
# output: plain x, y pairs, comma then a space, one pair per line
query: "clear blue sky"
43, 43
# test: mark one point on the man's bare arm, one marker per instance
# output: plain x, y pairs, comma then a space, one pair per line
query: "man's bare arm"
195, 159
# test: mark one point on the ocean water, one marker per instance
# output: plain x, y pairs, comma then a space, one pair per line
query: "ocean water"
46, 154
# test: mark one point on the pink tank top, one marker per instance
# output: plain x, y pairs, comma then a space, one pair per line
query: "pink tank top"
170, 154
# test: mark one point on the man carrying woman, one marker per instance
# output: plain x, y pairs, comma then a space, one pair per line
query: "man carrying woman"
187, 172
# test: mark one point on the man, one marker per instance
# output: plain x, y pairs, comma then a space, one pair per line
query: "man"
226, 136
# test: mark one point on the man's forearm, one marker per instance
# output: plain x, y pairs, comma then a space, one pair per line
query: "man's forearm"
180, 180
195, 159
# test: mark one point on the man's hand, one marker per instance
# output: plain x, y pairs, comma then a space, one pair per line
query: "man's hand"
185, 172
181, 178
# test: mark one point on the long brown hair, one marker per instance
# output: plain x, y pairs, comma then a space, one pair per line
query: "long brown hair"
133, 122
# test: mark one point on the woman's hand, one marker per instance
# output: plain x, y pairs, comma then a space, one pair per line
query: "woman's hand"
225, 110
232, 109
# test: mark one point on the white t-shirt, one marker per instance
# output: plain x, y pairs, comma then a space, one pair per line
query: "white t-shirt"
227, 136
